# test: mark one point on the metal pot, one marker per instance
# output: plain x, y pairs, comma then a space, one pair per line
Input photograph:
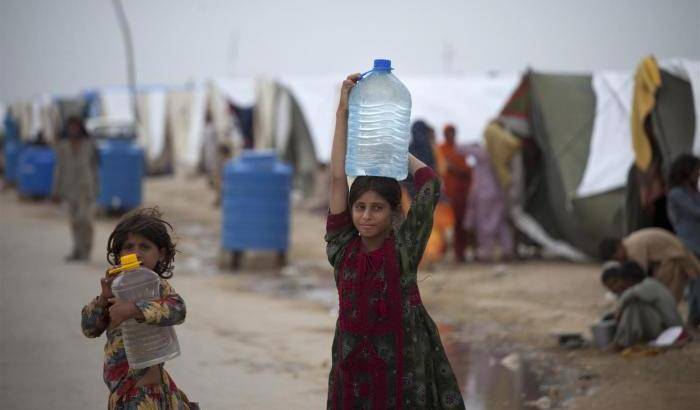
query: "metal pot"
603, 333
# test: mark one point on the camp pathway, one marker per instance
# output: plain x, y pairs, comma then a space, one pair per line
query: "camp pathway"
239, 350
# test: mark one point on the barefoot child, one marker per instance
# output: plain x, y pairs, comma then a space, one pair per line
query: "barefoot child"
386, 351
144, 233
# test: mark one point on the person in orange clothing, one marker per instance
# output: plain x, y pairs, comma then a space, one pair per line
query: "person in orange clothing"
457, 181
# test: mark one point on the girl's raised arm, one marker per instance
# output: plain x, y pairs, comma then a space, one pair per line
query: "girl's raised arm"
339, 181
414, 164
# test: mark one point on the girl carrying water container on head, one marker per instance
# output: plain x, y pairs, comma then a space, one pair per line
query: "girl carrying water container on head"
144, 233
386, 350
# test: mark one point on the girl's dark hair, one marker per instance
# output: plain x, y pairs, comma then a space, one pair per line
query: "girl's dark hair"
147, 222
628, 271
387, 188
682, 168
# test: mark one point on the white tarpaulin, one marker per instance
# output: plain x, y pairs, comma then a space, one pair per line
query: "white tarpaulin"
689, 71
117, 106
240, 91
468, 102
318, 100
195, 139
610, 154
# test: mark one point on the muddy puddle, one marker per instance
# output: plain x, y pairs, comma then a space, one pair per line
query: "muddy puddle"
505, 377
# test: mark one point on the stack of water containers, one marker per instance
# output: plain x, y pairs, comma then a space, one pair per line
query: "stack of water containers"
121, 168
378, 125
256, 203
35, 171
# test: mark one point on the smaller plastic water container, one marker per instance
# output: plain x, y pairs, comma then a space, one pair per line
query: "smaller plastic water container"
35, 168
146, 345
120, 173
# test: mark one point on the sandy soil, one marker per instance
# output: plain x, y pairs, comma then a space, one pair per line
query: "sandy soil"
247, 344
519, 305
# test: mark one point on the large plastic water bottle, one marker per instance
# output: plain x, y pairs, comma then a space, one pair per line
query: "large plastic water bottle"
146, 345
378, 125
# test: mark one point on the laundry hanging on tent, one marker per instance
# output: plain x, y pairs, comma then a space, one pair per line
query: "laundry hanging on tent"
647, 80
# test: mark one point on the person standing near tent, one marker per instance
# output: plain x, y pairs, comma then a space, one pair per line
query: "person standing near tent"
486, 213
684, 212
457, 181
75, 181
660, 254
386, 350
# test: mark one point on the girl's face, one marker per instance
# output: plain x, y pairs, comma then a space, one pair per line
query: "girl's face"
371, 214
147, 251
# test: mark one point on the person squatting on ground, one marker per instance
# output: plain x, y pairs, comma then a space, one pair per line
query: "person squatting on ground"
144, 233
645, 307
660, 254
75, 181
386, 350
683, 204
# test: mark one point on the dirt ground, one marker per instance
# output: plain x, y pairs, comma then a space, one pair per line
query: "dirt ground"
518, 304
252, 341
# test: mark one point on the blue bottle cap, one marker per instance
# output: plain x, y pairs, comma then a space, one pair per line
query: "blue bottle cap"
380, 64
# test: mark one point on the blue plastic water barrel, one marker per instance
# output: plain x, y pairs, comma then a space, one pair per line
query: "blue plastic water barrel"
255, 203
120, 174
13, 148
35, 171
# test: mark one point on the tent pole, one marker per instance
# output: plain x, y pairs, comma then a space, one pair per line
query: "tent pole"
129, 48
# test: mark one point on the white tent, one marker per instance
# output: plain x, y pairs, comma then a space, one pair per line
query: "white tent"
115, 104
468, 102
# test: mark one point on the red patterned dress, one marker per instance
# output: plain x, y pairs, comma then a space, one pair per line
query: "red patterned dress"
387, 352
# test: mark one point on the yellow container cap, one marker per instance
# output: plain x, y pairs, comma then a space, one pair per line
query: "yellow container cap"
128, 262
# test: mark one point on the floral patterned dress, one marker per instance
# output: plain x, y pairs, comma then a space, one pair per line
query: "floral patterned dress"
119, 378
387, 352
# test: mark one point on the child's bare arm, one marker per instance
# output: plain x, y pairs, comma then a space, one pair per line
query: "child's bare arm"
339, 181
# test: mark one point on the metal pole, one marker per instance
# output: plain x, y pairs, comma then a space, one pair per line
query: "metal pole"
129, 49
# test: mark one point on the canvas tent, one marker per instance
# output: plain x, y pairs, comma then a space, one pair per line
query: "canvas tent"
673, 130
280, 124
115, 104
557, 116
296, 115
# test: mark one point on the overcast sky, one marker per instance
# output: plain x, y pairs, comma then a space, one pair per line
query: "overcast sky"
64, 46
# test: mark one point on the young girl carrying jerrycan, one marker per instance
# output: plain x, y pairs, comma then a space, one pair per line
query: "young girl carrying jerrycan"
386, 352
144, 233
